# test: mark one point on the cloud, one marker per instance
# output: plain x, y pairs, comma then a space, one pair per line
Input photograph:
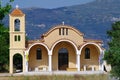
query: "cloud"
39, 25
115, 19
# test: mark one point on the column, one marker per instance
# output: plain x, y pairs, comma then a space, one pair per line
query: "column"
78, 62
103, 52
50, 61
11, 64
26, 70
101, 68
26, 61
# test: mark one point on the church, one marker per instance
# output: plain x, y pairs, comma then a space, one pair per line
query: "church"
62, 48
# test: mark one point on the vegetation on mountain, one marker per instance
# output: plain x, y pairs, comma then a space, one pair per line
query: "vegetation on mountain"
4, 37
112, 55
93, 18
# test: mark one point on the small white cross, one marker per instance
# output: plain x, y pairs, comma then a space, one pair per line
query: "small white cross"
17, 6
63, 23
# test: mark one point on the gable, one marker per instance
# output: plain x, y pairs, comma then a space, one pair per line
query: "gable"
63, 32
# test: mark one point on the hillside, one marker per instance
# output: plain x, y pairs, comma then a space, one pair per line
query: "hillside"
93, 19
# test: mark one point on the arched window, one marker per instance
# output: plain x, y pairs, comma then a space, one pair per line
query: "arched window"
87, 53
17, 25
38, 54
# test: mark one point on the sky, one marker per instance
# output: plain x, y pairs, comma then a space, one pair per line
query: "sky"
46, 3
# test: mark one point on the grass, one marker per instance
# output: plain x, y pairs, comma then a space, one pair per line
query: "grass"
58, 77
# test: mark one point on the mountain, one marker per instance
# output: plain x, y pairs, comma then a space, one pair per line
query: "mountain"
93, 19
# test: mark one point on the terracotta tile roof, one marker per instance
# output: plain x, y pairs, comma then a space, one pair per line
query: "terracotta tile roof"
92, 40
17, 12
35, 41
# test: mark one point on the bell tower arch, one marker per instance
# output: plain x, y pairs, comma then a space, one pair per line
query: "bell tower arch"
17, 35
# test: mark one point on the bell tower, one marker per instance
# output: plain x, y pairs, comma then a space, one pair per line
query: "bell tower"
17, 35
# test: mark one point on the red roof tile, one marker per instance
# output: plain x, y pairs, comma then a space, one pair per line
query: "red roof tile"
17, 12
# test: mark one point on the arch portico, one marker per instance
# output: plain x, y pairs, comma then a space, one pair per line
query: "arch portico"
65, 40
71, 55
37, 56
13, 67
93, 60
37, 44
17, 62
91, 44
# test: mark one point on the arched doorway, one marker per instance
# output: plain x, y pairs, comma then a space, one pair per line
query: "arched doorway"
63, 59
17, 63
63, 56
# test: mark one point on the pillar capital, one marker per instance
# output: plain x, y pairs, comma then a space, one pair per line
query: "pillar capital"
26, 52
78, 52
50, 52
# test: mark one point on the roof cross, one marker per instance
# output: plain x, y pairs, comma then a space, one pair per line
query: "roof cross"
63, 23
17, 6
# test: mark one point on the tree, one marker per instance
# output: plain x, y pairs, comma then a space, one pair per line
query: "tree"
4, 36
112, 55
4, 47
